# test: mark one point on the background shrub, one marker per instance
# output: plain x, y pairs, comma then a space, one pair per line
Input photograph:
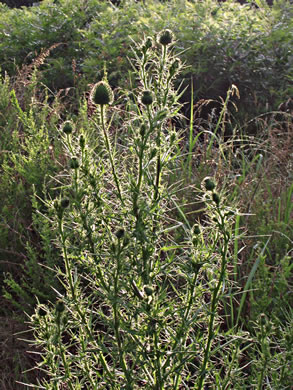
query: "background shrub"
253, 53
29, 154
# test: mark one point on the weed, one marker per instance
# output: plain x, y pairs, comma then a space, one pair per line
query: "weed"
138, 308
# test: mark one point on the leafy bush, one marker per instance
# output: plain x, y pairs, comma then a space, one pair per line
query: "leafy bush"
29, 156
253, 53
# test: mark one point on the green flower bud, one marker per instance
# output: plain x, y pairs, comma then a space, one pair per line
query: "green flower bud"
142, 130
74, 163
196, 229
209, 184
148, 43
216, 198
139, 50
120, 233
165, 37
67, 127
148, 290
82, 141
60, 307
146, 98
102, 93
175, 66
58, 208
64, 203
42, 312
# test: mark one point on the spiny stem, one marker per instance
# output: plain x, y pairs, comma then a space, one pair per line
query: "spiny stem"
108, 146
215, 300
74, 298
117, 320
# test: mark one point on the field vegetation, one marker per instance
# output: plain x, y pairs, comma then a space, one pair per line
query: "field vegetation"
146, 165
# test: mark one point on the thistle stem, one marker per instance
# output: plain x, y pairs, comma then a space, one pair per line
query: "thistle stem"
108, 146
215, 300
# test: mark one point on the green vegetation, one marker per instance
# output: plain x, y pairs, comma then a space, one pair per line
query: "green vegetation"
146, 195
225, 44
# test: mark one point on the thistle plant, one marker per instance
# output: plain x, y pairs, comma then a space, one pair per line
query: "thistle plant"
139, 307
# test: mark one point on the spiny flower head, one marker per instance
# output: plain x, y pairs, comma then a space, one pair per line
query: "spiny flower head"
82, 141
74, 163
148, 290
174, 67
216, 198
196, 229
120, 233
102, 93
67, 127
209, 184
65, 202
146, 97
165, 37
60, 307
147, 44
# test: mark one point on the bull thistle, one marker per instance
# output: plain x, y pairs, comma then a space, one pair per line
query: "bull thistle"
102, 94
165, 37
